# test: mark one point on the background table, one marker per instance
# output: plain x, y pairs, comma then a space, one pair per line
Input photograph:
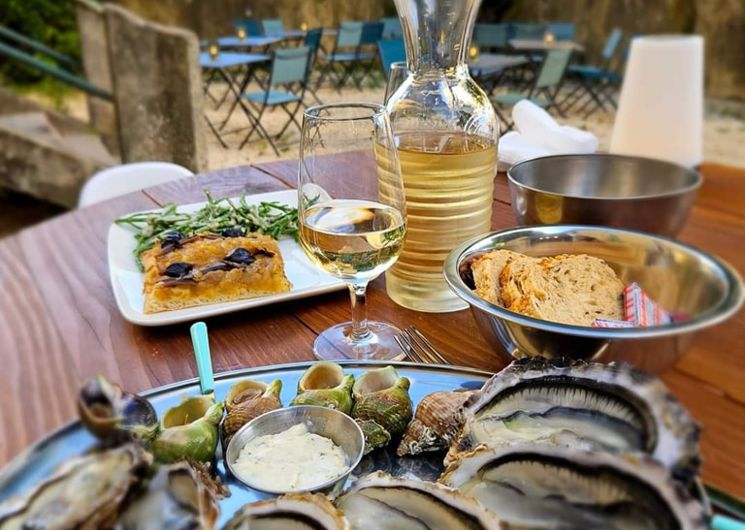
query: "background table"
540, 45
59, 323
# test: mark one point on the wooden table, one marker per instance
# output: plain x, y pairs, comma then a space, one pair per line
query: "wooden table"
60, 325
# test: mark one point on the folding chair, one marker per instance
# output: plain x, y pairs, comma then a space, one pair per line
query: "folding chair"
392, 28
545, 89
391, 51
251, 26
491, 36
288, 79
313, 41
563, 31
347, 37
527, 31
273, 27
372, 32
594, 80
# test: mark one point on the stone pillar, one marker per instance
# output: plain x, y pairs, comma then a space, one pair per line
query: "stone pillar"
94, 50
157, 90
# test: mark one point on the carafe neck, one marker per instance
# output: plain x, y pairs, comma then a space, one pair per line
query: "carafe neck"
437, 33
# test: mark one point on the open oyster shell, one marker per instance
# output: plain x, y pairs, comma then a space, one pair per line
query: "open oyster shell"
436, 424
324, 384
609, 407
536, 486
383, 396
246, 400
175, 499
85, 493
382, 502
294, 511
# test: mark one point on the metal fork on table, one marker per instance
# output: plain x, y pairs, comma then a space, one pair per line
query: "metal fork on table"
418, 348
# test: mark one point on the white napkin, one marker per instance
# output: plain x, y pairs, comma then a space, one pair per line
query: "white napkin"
538, 134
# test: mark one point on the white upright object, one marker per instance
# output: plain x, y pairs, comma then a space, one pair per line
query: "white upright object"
118, 180
661, 109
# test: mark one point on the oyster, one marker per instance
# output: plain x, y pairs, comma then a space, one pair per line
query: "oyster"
188, 430
437, 422
383, 502
247, 400
294, 511
533, 485
375, 435
84, 493
381, 395
109, 412
325, 384
610, 407
175, 499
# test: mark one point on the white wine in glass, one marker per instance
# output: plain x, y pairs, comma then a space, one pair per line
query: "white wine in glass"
352, 216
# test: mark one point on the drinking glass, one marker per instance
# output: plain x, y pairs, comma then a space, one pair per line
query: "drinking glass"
352, 214
396, 76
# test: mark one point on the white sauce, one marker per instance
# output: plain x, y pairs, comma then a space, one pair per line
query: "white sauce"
292, 460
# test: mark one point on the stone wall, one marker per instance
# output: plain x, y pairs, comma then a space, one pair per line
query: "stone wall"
721, 22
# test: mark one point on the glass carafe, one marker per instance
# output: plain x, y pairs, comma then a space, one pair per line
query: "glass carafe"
446, 132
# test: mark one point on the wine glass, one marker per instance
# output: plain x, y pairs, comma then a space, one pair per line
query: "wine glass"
352, 215
396, 76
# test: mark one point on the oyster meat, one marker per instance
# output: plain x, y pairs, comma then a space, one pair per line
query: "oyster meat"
381, 502
437, 422
294, 511
110, 413
85, 493
609, 407
324, 384
537, 486
175, 499
382, 395
246, 400
188, 431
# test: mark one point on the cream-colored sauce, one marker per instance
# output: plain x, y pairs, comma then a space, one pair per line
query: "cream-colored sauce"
292, 460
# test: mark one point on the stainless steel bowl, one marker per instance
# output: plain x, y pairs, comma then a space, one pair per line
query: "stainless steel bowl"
605, 190
677, 276
330, 423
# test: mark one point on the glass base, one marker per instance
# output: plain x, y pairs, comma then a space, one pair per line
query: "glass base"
334, 343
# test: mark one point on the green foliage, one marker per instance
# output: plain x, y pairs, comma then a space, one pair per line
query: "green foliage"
51, 22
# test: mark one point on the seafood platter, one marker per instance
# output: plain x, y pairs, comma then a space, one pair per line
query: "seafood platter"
356, 445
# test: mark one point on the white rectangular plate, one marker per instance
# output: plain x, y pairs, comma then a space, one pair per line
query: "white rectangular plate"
127, 280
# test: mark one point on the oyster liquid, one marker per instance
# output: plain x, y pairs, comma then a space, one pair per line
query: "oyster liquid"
449, 183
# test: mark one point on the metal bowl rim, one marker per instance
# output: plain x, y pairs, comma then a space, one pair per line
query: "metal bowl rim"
725, 308
679, 191
320, 487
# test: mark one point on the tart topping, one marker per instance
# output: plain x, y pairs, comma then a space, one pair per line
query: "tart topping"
233, 232
178, 269
239, 256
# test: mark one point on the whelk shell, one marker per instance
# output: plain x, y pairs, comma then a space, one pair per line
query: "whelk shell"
324, 384
381, 395
246, 400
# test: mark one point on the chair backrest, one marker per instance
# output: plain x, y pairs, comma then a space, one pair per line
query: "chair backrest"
349, 34
391, 51
392, 28
126, 178
527, 30
272, 27
611, 45
313, 40
563, 30
553, 69
290, 65
252, 27
372, 32
491, 35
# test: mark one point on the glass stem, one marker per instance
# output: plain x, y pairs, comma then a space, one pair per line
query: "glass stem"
360, 331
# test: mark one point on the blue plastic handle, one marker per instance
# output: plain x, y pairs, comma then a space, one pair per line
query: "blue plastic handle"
719, 522
201, 343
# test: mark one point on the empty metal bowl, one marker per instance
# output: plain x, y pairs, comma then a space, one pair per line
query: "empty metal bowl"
605, 190
677, 276
330, 423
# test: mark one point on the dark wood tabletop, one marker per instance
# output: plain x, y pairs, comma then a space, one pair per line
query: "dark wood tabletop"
59, 323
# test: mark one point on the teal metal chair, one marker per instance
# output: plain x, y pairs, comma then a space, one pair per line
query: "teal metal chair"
251, 26
391, 51
392, 28
545, 88
313, 42
367, 52
563, 31
273, 27
491, 36
527, 31
343, 55
286, 86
